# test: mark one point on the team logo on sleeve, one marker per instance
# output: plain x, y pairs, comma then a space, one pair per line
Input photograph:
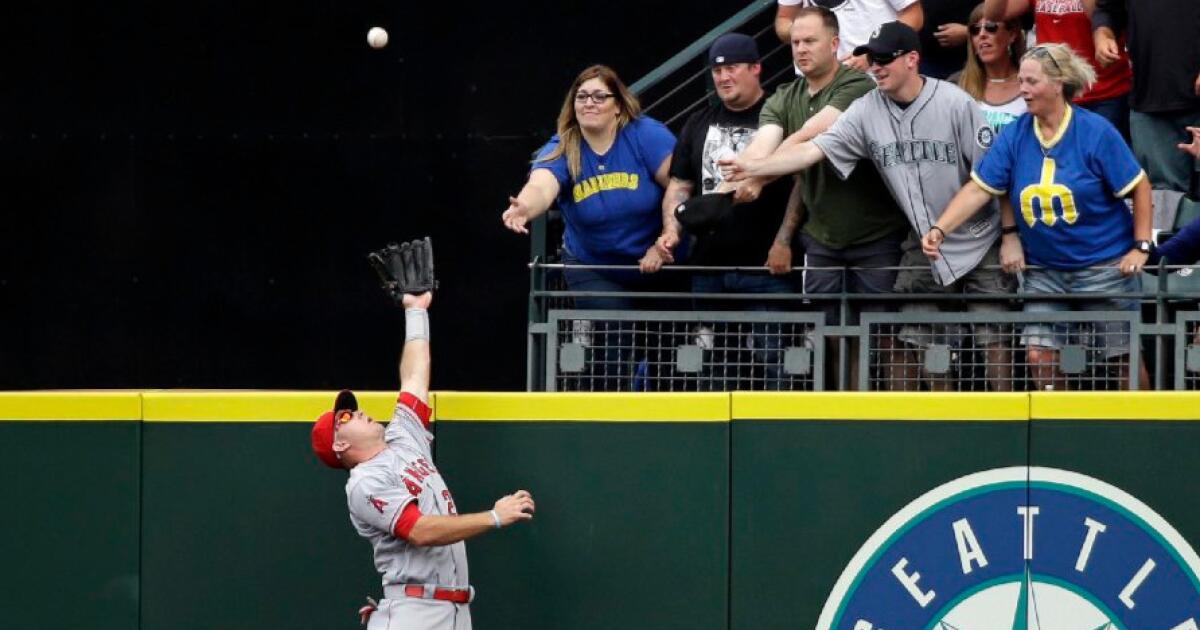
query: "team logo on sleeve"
1020, 548
378, 504
985, 136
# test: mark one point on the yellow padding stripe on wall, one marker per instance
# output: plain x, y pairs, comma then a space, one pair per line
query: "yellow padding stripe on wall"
1115, 406
71, 405
255, 406
880, 406
582, 407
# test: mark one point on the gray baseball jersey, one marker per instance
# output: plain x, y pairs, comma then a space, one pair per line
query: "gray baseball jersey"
924, 153
379, 489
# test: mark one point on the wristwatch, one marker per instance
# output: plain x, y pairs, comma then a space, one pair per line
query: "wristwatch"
1143, 246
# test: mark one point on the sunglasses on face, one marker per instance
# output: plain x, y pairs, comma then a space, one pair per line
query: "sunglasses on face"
342, 416
883, 60
990, 27
597, 97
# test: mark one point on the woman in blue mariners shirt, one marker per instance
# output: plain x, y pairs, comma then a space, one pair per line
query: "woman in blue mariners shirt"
606, 169
1066, 171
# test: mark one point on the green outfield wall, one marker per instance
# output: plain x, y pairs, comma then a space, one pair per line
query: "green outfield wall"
202, 510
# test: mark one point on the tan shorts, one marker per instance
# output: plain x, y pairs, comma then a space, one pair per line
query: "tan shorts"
978, 281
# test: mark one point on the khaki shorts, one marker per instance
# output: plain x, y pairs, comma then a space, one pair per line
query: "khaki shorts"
978, 281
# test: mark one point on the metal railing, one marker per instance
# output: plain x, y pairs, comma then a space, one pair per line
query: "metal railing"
820, 342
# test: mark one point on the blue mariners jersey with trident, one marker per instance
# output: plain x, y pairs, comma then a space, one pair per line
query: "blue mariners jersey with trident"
1067, 190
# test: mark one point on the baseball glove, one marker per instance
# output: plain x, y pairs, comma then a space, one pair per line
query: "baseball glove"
405, 268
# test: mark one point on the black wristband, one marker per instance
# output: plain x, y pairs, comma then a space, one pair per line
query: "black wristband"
939, 229
1008, 229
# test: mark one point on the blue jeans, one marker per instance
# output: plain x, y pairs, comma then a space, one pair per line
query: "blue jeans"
765, 340
611, 355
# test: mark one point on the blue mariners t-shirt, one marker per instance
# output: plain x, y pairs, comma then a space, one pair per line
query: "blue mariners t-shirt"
1067, 190
613, 212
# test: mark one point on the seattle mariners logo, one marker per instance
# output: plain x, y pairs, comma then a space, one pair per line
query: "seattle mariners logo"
1020, 549
984, 136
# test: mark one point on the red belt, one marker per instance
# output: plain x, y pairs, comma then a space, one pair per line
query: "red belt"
458, 596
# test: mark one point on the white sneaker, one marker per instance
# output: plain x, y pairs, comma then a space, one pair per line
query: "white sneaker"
581, 331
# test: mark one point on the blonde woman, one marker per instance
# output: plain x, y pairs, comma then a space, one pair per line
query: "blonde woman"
990, 75
1066, 170
607, 169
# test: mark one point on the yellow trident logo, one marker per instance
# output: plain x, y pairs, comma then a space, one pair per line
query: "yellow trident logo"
1046, 192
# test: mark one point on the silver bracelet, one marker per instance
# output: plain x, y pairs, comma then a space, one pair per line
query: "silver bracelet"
495, 518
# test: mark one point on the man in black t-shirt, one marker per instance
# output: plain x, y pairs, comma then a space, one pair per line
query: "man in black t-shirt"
760, 228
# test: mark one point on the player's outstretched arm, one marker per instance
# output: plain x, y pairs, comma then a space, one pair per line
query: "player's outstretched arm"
435, 530
415, 362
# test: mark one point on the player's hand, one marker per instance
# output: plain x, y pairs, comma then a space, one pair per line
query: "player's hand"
423, 300
1132, 263
654, 260
515, 217
951, 35
364, 613
1107, 50
931, 244
736, 169
514, 507
860, 63
1012, 255
779, 259
748, 190
1193, 148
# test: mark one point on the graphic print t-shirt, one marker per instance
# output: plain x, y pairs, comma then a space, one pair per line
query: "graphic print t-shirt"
712, 134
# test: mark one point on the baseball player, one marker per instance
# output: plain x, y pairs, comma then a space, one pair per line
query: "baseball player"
397, 498
923, 135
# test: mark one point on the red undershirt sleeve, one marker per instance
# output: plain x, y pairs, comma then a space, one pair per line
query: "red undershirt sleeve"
408, 518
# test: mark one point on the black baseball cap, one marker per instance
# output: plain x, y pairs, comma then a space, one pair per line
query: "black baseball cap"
733, 48
705, 211
891, 39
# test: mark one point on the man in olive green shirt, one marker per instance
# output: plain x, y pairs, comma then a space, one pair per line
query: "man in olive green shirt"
852, 222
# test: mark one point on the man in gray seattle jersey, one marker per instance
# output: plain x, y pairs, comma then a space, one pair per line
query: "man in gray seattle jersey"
923, 135
399, 502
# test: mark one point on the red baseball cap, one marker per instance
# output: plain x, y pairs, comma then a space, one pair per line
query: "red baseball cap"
323, 429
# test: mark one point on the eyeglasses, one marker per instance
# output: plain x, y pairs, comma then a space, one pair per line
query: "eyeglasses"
877, 59
990, 27
598, 98
1038, 52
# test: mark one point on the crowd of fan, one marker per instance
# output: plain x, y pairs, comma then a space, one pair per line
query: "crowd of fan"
925, 146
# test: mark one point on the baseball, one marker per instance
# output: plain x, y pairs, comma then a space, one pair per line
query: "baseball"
377, 37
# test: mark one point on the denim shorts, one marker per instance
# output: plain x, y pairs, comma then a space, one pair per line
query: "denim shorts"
1112, 337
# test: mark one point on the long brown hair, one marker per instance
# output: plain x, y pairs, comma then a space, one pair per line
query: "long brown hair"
973, 79
569, 135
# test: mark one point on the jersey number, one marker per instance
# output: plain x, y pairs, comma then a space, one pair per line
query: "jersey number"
1046, 193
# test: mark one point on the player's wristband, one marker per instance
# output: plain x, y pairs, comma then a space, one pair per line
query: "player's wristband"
416, 324
495, 518
1008, 229
939, 229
